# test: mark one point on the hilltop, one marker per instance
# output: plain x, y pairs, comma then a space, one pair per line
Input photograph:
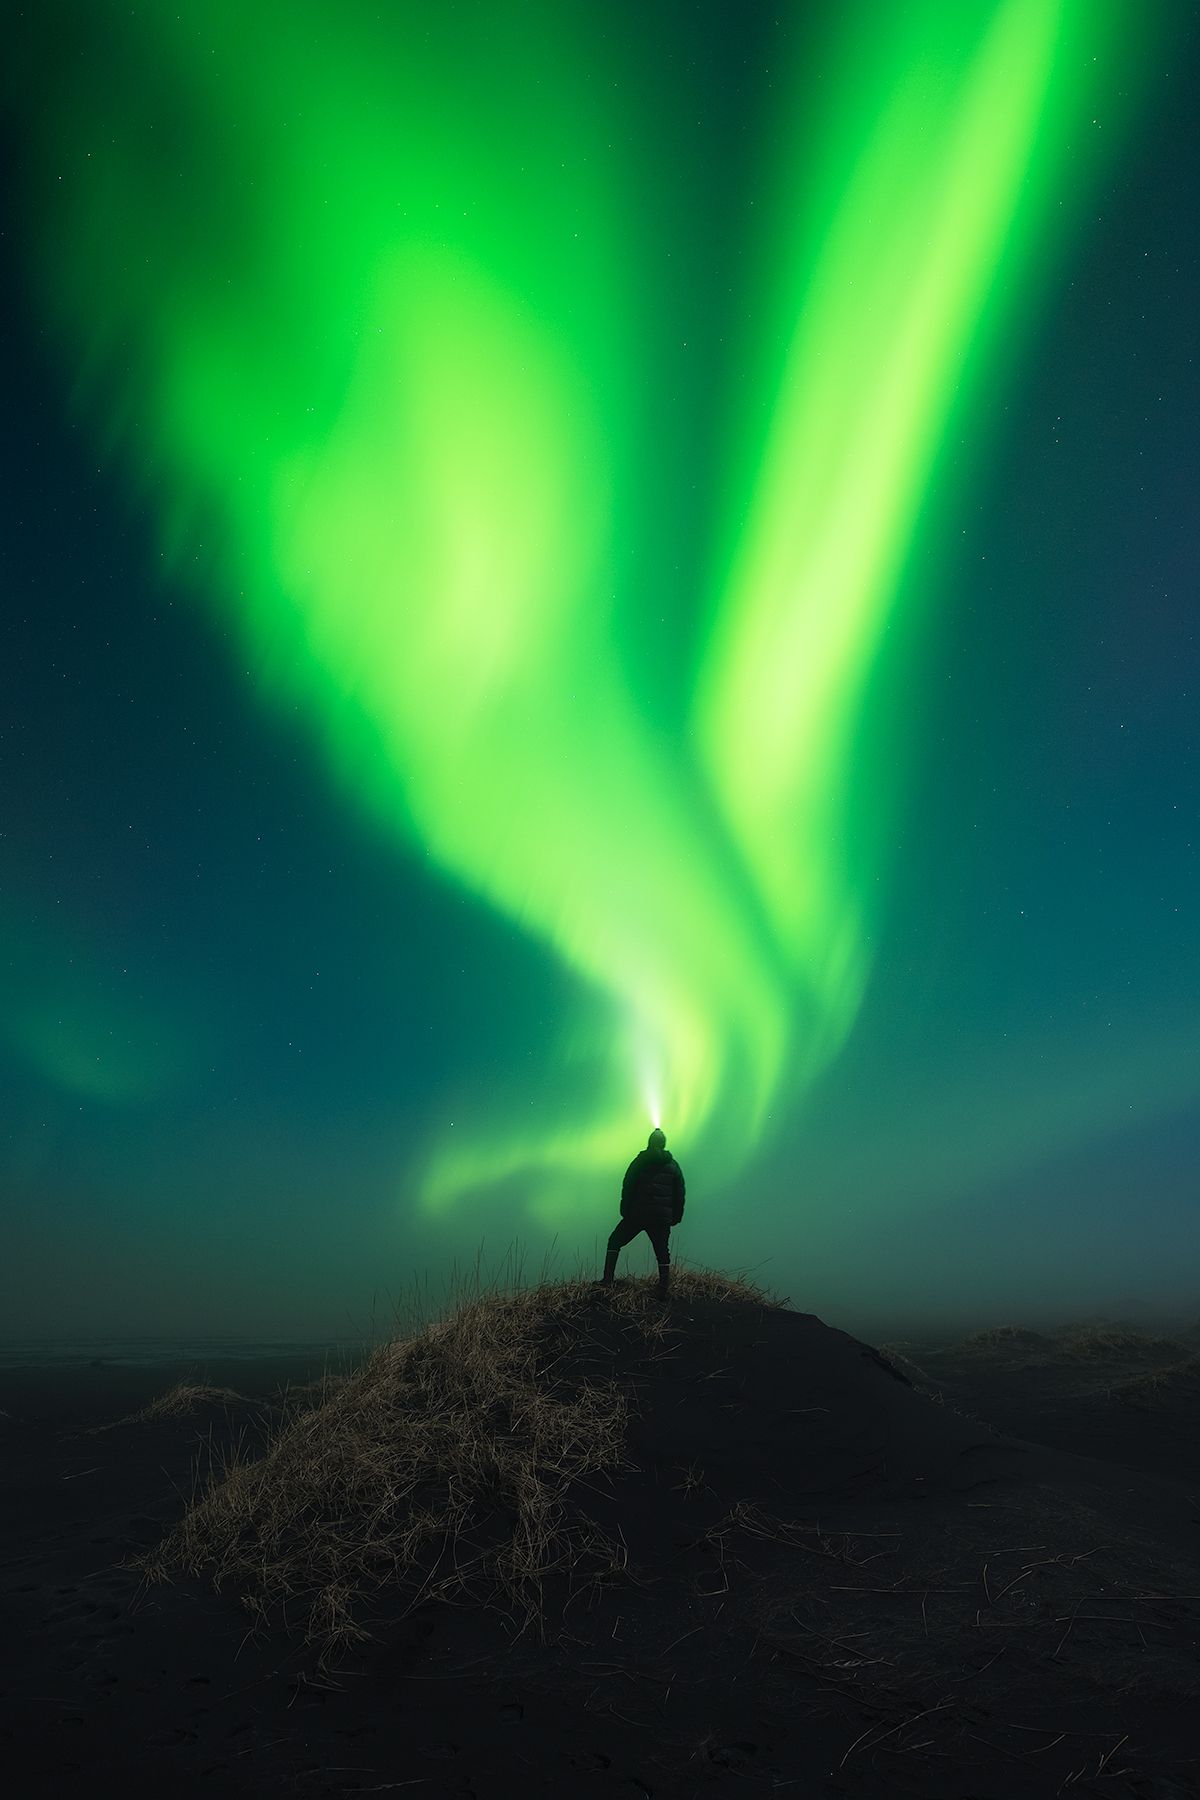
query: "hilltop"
567, 1536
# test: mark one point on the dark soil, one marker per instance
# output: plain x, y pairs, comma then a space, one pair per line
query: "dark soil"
964, 1572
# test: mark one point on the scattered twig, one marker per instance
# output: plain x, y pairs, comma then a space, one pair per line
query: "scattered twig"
1027, 1570
1042, 1748
971, 1673
1066, 1634
903, 1725
898, 1592
1109, 1754
413, 1781
1111, 1619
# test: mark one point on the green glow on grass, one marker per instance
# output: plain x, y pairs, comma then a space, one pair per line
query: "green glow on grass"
361, 304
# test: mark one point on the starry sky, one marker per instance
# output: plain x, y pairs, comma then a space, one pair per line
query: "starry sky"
568, 567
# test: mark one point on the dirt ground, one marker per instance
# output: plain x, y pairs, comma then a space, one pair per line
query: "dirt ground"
968, 1571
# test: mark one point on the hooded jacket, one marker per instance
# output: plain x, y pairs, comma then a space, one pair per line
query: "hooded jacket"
653, 1188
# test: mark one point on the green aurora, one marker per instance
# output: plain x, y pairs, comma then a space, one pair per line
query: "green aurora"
374, 344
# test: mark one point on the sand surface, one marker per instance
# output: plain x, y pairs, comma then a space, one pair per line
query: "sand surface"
967, 1571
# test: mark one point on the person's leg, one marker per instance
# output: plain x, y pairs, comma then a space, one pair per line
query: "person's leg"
660, 1237
624, 1232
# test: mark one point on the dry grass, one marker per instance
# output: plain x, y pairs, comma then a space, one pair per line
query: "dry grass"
922, 1382
1100, 1342
1005, 1337
184, 1397
1160, 1387
896, 1353
440, 1467
973, 1631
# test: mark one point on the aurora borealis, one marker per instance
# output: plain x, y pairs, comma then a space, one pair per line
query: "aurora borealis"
545, 469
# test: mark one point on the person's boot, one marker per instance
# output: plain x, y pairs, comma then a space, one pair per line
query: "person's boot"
664, 1277
610, 1266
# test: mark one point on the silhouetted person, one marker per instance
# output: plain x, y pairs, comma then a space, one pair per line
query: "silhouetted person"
652, 1195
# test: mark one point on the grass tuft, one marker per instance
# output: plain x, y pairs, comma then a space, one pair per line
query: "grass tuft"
183, 1398
1157, 1388
1005, 1337
1098, 1342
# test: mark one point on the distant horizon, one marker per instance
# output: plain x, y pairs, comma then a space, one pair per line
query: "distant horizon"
22, 1348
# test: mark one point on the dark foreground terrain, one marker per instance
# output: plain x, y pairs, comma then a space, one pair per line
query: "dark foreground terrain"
968, 1571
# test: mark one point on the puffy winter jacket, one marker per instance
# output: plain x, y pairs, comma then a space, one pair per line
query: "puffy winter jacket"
653, 1188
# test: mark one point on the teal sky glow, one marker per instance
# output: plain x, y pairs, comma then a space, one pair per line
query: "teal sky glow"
563, 449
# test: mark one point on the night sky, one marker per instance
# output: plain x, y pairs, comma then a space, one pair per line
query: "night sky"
573, 565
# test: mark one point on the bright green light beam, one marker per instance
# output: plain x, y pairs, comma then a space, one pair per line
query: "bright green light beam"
367, 331
385, 378
937, 174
